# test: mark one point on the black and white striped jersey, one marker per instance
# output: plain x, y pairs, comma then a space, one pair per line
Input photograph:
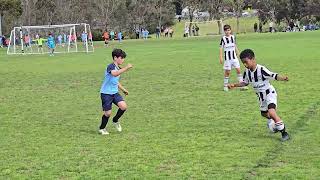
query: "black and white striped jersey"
259, 78
229, 46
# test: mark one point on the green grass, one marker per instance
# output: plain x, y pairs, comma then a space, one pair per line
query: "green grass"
180, 124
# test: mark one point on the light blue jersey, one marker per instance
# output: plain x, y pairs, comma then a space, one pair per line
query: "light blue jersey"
84, 36
110, 83
51, 42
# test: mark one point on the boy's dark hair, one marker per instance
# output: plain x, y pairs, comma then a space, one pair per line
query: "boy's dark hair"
247, 53
227, 26
118, 53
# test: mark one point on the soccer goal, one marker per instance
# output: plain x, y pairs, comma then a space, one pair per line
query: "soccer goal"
68, 38
203, 28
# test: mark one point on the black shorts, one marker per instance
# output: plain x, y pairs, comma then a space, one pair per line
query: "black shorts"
40, 46
108, 99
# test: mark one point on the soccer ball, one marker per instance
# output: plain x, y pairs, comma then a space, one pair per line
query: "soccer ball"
272, 126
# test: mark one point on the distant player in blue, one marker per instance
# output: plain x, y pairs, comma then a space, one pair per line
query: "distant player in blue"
84, 37
120, 36
109, 91
51, 44
60, 40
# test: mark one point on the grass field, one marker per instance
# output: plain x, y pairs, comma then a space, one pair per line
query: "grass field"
179, 125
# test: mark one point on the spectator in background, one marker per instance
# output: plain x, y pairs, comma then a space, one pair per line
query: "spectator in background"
84, 38
193, 31
197, 30
143, 33
158, 32
271, 27
90, 38
291, 25
112, 35
1, 43
161, 30
146, 34
171, 32
186, 31
59, 40
255, 27
137, 33
120, 36
260, 27
166, 32
105, 36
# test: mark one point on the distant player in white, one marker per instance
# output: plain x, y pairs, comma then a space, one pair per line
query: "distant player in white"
229, 50
259, 76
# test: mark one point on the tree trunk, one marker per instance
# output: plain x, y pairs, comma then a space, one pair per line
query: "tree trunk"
0, 23
238, 24
160, 18
219, 26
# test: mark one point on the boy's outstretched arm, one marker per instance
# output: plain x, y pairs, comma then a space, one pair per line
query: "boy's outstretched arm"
237, 51
117, 73
240, 84
126, 92
282, 78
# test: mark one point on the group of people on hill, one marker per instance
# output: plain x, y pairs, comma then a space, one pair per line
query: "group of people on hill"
142, 33
164, 32
194, 30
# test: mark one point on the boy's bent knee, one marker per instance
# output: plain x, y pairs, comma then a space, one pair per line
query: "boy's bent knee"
272, 106
107, 113
122, 105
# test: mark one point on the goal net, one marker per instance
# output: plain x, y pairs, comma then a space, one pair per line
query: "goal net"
68, 38
203, 28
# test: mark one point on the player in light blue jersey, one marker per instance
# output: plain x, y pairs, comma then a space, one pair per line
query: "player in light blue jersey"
60, 40
51, 44
84, 38
109, 91
120, 36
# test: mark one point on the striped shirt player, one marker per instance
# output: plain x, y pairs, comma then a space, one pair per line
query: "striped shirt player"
228, 53
259, 77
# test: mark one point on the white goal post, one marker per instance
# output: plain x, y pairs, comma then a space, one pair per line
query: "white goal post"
205, 28
33, 39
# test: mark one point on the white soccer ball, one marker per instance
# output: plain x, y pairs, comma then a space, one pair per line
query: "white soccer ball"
271, 125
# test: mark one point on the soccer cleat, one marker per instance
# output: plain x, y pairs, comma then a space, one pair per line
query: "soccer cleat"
225, 88
103, 132
118, 126
285, 136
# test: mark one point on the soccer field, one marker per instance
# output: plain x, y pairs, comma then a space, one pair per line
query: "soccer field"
179, 123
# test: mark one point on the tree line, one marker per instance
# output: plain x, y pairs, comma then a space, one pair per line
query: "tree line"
127, 15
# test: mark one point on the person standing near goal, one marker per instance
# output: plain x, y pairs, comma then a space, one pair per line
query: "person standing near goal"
51, 44
39, 42
229, 50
